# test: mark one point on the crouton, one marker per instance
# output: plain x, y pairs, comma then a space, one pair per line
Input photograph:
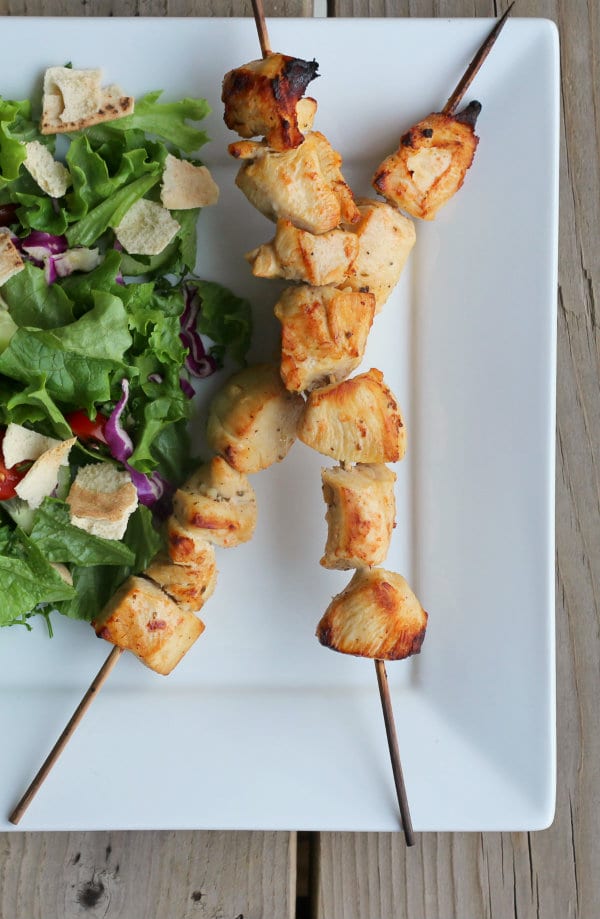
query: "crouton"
50, 175
21, 444
185, 186
41, 480
10, 260
146, 229
101, 500
75, 99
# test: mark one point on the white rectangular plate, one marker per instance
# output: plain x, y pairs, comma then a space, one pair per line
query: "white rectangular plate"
261, 727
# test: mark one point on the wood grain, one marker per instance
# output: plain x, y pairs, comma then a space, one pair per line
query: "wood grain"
136, 875
554, 874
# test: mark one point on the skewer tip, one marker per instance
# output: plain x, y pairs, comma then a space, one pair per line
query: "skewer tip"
392, 739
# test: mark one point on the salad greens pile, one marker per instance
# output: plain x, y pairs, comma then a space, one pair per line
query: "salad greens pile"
90, 332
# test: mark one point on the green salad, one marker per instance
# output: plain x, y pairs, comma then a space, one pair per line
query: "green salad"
100, 343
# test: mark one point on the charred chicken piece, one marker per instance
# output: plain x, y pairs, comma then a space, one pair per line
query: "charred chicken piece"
306, 110
189, 586
376, 616
304, 185
253, 420
142, 619
361, 510
357, 421
218, 503
385, 239
298, 255
323, 336
431, 162
261, 98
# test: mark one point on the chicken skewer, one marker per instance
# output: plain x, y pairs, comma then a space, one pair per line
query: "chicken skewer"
153, 615
271, 261
302, 382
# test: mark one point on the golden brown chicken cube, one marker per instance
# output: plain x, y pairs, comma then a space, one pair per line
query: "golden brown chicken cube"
190, 586
304, 185
141, 618
298, 255
385, 239
357, 421
218, 503
323, 334
430, 164
306, 110
253, 420
261, 98
361, 510
185, 546
376, 616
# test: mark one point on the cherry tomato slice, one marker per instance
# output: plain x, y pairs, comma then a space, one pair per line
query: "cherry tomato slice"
86, 429
9, 478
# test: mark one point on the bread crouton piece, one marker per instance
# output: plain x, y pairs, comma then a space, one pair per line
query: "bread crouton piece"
75, 99
376, 616
218, 503
253, 420
101, 500
41, 480
146, 229
185, 186
50, 175
141, 618
10, 260
21, 444
190, 586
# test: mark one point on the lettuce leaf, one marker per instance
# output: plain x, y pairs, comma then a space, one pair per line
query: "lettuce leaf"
26, 578
167, 120
110, 211
33, 302
60, 541
225, 319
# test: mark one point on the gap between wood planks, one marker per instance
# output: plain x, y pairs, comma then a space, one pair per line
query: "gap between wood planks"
307, 857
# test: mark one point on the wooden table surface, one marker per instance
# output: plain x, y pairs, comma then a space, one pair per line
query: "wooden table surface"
553, 874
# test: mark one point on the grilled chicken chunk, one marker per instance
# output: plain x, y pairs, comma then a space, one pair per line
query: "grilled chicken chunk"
142, 619
186, 547
385, 238
253, 420
361, 510
303, 185
357, 421
190, 586
261, 98
302, 256
430, 164
218, 503
306, 110
323, 336
376, 616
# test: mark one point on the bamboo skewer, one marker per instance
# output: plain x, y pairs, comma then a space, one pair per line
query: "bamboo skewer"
92, 692
392, 739
473, 68
261, 27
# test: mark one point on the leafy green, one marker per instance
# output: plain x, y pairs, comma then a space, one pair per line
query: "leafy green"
110, 211
60, 541
225, 319
33, 302
167, 120
26, 578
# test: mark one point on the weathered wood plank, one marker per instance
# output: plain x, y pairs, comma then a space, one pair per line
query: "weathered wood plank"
555, 873
162, 875
150, 8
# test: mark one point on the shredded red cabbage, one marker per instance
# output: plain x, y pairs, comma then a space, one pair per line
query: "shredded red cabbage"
187, 388
118, 440
198, 362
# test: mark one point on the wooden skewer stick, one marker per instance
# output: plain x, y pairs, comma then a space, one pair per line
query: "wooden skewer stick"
66, 735
261, 27
473, 68
392, 739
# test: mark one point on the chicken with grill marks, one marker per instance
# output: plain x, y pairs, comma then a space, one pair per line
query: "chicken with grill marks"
218, 504
189, 586
253, 420
361, 510
385, 239
261, 98
357, 421
376, 616
298, 255
323, 334
142, 619
303, 185
430, 164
